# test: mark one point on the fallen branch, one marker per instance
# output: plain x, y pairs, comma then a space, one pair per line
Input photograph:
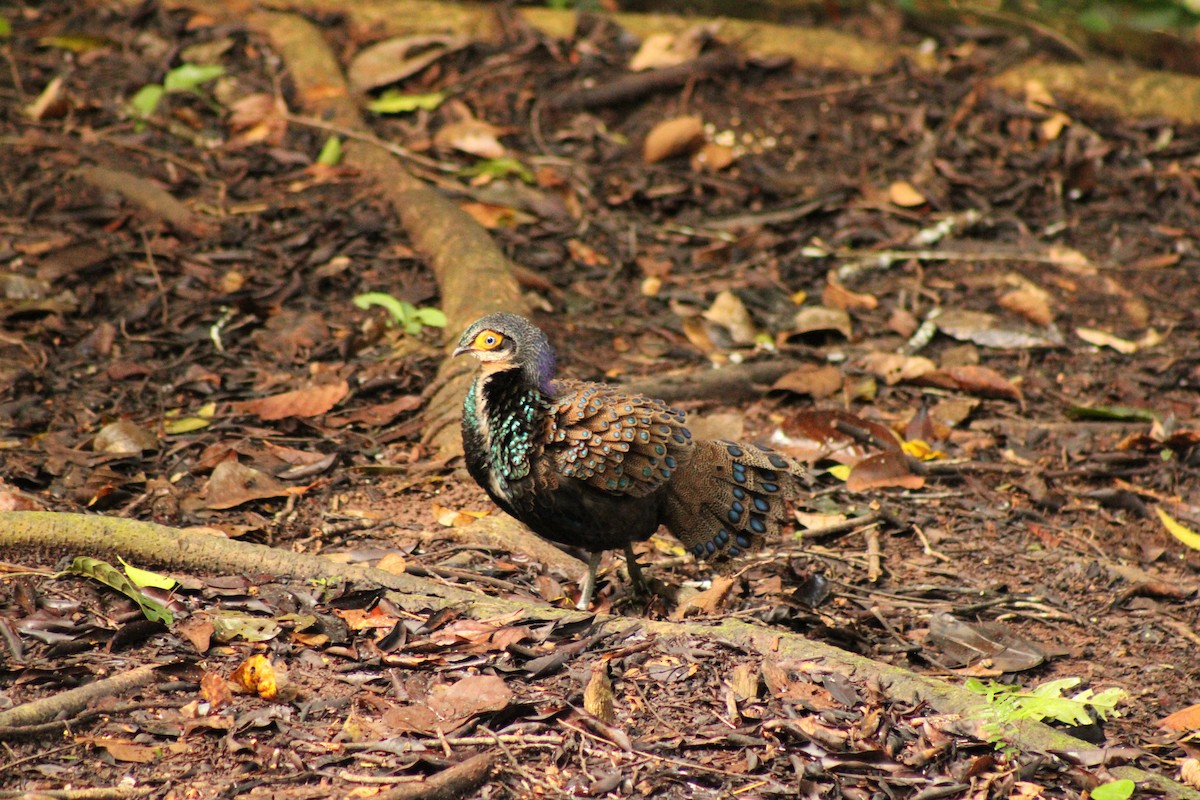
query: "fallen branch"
72, 701
634, 86
453, 782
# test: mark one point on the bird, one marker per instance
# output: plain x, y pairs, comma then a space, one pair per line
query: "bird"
590, 466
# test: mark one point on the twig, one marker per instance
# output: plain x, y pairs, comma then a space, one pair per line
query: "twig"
874, 569
631, 87
359, 136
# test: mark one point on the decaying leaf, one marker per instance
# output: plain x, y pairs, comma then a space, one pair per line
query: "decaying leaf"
730, 313
1185, 719
965, 643
393, 60
816, 380
310, 401
472, 136
983, 329
232, 484
1029, 301
450, 705
813, 436
668, 49
982, 381
905, 195
673, 137
1103, 339
598, 695
835, 295
821, 318
896, 367
124, 437
883, 470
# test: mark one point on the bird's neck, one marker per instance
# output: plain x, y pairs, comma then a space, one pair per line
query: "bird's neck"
507, 412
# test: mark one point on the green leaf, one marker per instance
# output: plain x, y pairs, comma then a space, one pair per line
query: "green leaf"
331, 152
1114, 790
1117, 413
400, 310
146, 100
499, 168
107, 574
76, 42
433, 317
188, 77
145, 578
5, 27
394, 102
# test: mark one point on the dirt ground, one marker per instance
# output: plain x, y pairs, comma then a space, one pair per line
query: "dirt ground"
1010, 280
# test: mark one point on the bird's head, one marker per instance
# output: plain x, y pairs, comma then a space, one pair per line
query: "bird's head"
504, 342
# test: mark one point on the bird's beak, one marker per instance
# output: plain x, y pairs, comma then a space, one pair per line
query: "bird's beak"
458, 351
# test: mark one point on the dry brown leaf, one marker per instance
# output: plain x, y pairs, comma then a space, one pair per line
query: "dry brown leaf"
883, 470
448, 706
198, 630
813, 436
472, 136
395, 59
821, 318
905, 195
730, 313
896, 367
493, 216
835, 295
669, 49
977, 380
673, 137
1185, 719
712, 157
393, 563
1189, 772
1103, 339
258, 119
1029, 301
214, 689
232, 484
453, 517
308, 402
818, 381
124, 437
598, 695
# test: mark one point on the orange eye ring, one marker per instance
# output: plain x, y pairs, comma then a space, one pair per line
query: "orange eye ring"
488, 340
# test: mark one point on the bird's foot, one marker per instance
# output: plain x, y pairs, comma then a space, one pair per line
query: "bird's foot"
588, 588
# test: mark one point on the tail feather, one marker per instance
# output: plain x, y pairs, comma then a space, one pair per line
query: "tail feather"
730, 498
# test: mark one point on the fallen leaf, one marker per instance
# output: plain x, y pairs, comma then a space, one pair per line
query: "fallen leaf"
1029, 301
983, 329
712, 157
124, 437
835, 295
821, 318
982, 381
1185, 719
730, 313
472, 136
393, 60
883, 470
905, 195
669, 49
673, 137
813, 436
1102, 339
896, 367
1179, 531
232, 484
964, 643
450, 705
817, 380
308, 402
454, 518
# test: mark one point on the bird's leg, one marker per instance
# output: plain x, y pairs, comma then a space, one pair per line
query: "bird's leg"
589, 581
635, 571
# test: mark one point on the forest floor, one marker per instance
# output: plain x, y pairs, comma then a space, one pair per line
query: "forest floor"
830, 219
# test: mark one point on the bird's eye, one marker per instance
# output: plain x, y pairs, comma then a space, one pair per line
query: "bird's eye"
489, 340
